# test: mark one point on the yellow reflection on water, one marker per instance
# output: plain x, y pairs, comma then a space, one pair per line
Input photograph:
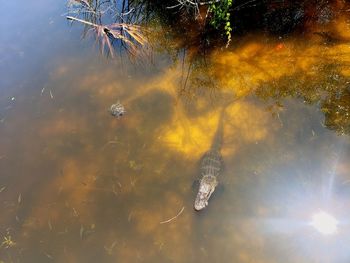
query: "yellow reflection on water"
248, 66
243, 122
190, 136
247, 123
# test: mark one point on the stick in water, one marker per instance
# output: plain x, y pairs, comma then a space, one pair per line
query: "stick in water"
171, 219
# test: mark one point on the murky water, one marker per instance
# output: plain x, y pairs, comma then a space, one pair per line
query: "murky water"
78, 185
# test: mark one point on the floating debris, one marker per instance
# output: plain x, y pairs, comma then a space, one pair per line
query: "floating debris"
114, 190
109, 143
117, 110
82, 232
63, 232
110, 248
48, 255
8, 242
134, 166
19, 200
130, 216
171, 219
86, 232
49, 224
75, 213
2, 189
159, 244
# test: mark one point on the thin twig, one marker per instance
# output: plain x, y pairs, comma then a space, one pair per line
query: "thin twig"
174, 6
125, 14
209, 2
171, 219
81, 21
108, 143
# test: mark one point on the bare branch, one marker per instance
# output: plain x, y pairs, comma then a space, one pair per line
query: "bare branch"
171, 219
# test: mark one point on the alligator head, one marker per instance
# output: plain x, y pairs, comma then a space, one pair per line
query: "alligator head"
206, 188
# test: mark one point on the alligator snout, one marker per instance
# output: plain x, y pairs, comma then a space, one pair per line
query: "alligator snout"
206, 188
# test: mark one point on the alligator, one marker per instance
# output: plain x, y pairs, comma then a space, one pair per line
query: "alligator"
211, 166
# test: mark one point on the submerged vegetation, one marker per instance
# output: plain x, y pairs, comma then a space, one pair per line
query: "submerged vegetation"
191, 30
206, 24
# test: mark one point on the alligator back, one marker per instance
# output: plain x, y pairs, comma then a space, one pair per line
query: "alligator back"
211, 163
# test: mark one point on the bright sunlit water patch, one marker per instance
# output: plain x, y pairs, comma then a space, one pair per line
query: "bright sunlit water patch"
324, 223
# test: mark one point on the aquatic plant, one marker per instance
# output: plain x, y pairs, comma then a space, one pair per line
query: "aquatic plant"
217, 11
8, 242
221, 17
128, 33
110, 21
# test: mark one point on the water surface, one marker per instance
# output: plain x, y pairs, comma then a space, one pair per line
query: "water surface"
78, 185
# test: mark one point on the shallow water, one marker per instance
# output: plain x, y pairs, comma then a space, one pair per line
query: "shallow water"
78, 185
